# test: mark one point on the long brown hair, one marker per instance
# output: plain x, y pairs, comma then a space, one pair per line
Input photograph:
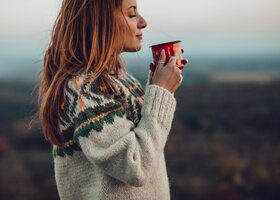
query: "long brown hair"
86, 34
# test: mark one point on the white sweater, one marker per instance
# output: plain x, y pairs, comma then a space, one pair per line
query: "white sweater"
114, 144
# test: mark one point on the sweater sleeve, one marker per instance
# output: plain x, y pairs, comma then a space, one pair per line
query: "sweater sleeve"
113, 143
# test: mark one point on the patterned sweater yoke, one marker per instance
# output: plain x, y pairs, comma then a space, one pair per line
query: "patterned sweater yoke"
113, 143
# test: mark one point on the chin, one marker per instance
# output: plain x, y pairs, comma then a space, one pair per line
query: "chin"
133, 49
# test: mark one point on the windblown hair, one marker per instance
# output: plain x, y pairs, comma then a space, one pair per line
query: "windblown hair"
87, 34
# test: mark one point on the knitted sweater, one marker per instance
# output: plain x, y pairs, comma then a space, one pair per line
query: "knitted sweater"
113, 142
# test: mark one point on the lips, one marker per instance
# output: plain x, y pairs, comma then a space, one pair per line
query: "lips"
139, 36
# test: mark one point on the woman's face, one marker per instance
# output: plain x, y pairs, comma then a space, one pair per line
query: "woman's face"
135, 22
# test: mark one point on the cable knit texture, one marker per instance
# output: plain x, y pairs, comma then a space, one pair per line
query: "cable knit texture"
113, 142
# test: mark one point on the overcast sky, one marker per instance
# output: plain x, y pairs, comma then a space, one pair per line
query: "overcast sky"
215, 24
205, 27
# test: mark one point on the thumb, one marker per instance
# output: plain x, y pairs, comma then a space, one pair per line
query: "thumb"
162, 59
185, 61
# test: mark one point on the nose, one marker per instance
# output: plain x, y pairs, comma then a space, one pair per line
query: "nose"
142, 22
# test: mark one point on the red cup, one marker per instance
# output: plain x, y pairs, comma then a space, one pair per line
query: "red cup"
171, 49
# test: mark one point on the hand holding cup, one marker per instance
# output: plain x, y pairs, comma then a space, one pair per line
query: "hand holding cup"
167, 75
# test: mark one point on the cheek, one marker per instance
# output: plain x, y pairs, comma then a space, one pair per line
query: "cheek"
131, 28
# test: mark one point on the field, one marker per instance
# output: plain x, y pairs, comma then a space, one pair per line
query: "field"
224, 143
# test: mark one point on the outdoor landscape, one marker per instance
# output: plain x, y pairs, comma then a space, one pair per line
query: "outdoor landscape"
225, 140
224, 143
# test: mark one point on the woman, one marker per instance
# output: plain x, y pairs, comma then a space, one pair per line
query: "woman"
108, 135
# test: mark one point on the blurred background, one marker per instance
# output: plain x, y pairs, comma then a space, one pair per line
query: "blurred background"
224, 143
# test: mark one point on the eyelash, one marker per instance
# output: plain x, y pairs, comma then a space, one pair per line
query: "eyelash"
131, 16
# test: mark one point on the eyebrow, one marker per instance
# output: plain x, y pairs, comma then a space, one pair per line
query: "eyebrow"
135, 7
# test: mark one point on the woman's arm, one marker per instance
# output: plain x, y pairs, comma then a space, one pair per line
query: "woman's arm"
112, 142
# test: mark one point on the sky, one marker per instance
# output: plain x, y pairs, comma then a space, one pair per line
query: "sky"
216, 27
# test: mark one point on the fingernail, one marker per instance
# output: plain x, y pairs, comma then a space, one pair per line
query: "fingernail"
162, 52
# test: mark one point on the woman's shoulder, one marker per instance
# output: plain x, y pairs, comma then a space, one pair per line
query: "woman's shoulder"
133, 81
130, 76
86, 83
82, 80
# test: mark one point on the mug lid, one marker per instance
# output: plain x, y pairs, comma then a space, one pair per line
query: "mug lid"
172, 42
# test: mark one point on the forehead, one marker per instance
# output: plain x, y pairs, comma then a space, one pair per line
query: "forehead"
128, 3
